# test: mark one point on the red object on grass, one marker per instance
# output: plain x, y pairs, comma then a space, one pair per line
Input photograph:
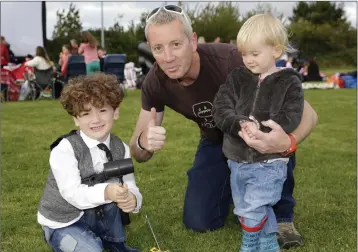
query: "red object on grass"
8, 78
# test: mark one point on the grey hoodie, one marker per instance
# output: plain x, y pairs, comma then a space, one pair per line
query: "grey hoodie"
278, 97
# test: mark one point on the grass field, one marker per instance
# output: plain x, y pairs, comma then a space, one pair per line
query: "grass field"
326, 187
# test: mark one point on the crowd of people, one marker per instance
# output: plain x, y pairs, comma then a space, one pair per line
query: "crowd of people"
308, 69
39, 63
89, 48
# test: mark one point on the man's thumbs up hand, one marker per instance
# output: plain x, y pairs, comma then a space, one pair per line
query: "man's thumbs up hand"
153, 121
153, 138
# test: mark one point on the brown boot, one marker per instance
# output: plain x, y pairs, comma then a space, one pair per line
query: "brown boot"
288, 236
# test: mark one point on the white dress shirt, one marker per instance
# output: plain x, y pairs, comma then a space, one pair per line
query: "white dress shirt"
64, 166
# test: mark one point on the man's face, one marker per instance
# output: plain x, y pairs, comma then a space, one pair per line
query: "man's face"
97, 123
171, 48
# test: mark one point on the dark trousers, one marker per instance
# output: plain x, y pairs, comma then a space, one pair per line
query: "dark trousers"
208, 195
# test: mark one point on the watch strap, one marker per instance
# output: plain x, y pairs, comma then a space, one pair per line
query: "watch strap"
292, 148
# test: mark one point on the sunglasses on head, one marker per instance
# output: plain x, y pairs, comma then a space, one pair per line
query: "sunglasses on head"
170, 8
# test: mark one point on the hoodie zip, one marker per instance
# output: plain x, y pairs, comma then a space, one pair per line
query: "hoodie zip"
250, 158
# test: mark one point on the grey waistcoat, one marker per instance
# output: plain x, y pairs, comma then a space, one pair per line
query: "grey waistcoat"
52, 205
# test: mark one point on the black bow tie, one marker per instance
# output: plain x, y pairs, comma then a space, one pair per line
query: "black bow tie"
104, 147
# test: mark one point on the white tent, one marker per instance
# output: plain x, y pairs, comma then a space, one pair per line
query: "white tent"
21, 25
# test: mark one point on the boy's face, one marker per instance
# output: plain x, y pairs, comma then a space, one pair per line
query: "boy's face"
259, 57
97, 123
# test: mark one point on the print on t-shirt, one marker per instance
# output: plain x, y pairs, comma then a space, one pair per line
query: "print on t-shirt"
204, 110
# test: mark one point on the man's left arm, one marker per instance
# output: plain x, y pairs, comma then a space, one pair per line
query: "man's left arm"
277, 141
308, 122
289, 114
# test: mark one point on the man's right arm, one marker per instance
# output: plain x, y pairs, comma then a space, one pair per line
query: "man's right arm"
148, 135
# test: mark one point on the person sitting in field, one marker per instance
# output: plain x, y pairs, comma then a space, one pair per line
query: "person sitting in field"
41, 61
76, 214
313, 73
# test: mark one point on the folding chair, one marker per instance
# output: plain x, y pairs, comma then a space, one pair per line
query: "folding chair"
42, 84
114, 64
76, 67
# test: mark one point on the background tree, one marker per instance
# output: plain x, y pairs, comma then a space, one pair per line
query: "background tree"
261, 8
211, 21
320, 30
120, 40
68, 23
68, 27
317, 29
320, 12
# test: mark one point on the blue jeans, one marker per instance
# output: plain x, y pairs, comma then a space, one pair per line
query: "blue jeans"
89, 234
208, 194
255, 188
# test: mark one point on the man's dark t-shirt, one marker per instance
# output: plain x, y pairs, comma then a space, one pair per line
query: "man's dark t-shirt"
195, 102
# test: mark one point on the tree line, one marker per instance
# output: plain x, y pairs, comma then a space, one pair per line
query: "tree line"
317, 29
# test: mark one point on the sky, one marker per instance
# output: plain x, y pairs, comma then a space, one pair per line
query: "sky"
90, 12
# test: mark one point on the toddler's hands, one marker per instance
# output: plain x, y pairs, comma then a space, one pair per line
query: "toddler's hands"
251, 129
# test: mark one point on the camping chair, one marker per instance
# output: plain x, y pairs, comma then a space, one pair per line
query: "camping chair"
76, 67
114, 64
42, 84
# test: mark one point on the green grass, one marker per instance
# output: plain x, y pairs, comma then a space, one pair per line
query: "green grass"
326, 188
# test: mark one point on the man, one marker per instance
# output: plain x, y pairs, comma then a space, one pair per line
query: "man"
186, 78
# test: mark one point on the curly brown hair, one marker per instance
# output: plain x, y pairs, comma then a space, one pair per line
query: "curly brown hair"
99, 89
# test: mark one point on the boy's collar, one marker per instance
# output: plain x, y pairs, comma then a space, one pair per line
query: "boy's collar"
92, 142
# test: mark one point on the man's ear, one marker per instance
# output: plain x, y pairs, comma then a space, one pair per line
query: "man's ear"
116, 114
194, 41
76, 121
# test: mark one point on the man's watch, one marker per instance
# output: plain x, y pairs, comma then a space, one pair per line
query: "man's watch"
292, 147
138, 142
